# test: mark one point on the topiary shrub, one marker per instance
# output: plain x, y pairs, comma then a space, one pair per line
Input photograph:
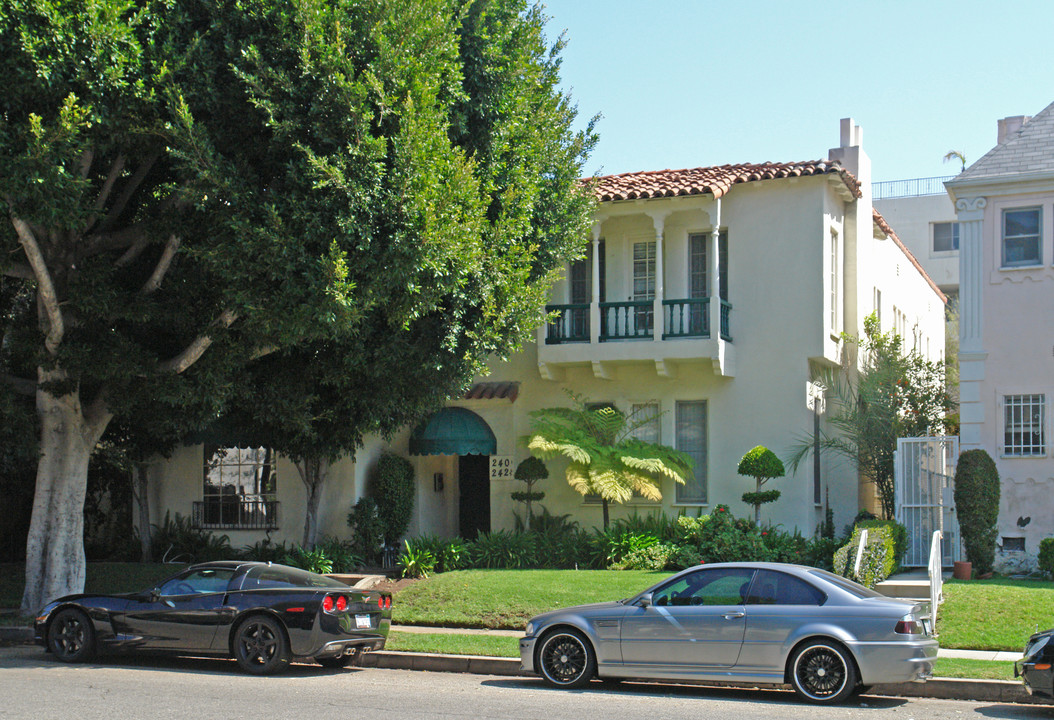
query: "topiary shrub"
977, 505
367, 531
762, 465
393, 490
877, 562
530, 471
1046, 556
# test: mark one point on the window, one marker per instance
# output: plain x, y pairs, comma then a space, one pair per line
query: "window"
945, 236
1021, 230
211, 580
643, 285
776, 588
691, 439
1023, 425
834, 282
644, 422
878, 307
240, 489
727, 586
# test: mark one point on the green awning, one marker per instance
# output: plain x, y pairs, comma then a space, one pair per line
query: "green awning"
453, 431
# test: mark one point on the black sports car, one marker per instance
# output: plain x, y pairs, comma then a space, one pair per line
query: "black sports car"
1034, 668
261, 614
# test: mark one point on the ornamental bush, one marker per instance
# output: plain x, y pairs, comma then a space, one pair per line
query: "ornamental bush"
762, 465
877, 562
1046, 556
897, 532
977, 505
393, 490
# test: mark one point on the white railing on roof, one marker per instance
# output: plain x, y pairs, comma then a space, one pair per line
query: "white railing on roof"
914, 187
936, 579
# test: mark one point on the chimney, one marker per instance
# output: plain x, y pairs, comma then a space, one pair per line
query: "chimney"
1008, 127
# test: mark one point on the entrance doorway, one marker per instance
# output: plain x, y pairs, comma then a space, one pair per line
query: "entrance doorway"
473, 472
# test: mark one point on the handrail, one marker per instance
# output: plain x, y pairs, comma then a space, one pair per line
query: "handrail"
860, 554
936, 579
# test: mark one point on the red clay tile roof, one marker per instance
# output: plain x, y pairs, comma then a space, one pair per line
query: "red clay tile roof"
495, 390
710, 180
884, 227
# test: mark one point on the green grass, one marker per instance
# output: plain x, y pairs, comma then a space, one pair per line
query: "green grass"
973, 669
453, 644
100, 577
507, 599
995, 614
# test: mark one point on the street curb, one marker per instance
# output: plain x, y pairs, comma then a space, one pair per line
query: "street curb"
996, 691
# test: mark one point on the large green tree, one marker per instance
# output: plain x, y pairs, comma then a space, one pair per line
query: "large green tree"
897, 393
604, 457
194, 186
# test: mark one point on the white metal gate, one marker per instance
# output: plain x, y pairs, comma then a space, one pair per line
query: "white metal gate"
924, 494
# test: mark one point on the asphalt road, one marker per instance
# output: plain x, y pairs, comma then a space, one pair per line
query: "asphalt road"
32, 685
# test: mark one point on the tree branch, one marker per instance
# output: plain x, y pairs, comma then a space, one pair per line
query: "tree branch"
19, 270
107, 187
133, 184
45, 287
86, 160
193, 352
163, 264
21, 385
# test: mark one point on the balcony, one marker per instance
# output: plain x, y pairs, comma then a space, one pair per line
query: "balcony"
234, 512
626, 333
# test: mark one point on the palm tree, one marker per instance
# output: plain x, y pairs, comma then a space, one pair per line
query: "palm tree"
605, 458
956, 155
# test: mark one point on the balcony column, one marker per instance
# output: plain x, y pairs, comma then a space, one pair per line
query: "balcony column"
970, 213
714, 272
594, 302
658, 322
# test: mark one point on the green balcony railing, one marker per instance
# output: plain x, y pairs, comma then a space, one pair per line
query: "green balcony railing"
688, 318
726, 311
570, 324
630, 320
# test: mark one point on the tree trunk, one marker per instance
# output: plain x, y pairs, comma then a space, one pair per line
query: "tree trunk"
55, 562
142, 499
313, 472
757, 507
604, 504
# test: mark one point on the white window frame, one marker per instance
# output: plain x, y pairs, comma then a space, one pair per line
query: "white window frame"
834, 280
1003, 237
1024, 402
954, 238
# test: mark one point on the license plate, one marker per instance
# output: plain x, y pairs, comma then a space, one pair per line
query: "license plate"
362, 621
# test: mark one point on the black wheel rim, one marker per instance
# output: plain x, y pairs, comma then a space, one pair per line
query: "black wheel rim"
820, 672
257, 643
564, 659
70, 637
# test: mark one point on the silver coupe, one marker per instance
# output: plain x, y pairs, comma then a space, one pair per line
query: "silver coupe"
766, 623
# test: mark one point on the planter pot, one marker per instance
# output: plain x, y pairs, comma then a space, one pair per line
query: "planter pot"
962, 570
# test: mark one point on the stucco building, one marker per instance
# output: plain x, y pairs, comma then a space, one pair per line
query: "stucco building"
1005, 209
708, 299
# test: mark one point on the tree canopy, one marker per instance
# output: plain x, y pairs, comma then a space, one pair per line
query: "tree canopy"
199, 191
604, 457
896, 394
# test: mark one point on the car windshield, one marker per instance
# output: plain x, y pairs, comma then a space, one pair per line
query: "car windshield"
274, 576
846, 584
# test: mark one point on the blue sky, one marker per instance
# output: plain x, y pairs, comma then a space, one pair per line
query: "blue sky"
687, 83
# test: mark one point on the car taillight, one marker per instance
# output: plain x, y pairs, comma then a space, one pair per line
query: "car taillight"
384, 602
908, 627
327, 603
342, 603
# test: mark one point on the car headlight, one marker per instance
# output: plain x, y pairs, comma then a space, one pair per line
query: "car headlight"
530, 629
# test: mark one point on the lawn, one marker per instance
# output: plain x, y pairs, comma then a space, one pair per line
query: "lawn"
995, 614
507, 599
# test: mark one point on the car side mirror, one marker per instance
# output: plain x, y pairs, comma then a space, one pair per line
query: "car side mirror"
155, 594
645, 600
